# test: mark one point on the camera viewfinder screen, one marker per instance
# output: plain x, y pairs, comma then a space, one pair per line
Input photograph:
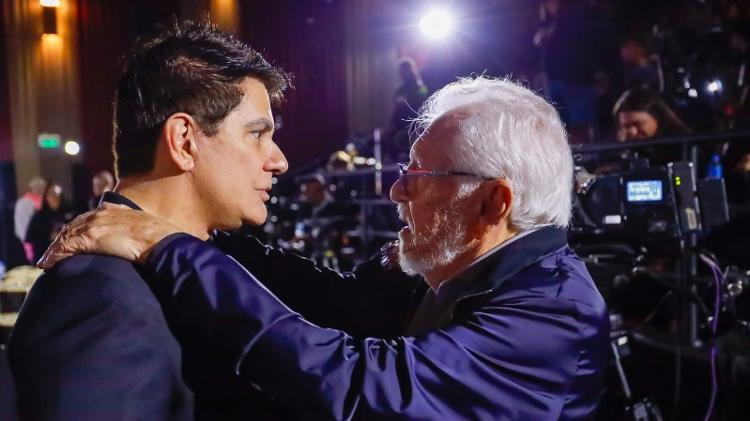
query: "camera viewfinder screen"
644, 191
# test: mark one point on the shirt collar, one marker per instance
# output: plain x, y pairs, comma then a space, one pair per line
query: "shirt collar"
518, 255
506, 261
484, 261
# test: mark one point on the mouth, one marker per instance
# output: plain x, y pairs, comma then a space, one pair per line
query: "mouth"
403, 218
265, 194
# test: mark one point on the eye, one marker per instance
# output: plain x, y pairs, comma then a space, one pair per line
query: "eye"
257, 134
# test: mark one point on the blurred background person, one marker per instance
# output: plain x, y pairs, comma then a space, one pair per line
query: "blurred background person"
407, 100
28, 204
102, 182
641, 113
640, 69
323, 230
314, 193
48, 221
580, 61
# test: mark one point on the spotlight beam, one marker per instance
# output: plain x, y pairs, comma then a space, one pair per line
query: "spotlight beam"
436, 24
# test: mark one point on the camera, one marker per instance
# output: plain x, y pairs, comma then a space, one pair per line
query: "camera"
644, 202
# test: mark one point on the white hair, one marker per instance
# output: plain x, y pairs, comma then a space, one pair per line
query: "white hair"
37, 185
508, 131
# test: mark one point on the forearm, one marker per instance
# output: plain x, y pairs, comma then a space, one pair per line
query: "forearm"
322, 373
462, 371
353, 302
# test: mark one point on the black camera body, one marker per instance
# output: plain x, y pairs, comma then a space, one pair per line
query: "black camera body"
650, 203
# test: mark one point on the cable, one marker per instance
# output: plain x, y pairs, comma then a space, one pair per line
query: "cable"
714, 325
657, 307
691, 296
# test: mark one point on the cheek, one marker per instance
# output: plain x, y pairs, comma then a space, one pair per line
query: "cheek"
423, 220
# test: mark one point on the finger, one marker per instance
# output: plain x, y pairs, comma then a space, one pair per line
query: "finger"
108, 205
50, 259
54, 249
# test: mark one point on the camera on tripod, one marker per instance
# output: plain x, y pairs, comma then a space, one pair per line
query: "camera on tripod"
649, 202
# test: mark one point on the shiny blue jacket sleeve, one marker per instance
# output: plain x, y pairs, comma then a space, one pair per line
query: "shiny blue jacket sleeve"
502, 362
369, 301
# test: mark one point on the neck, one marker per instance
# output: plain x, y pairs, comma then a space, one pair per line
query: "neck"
476, 249
157, 197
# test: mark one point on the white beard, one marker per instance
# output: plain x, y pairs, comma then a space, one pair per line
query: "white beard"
434, 246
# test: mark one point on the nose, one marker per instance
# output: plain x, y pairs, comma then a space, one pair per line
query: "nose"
276, 162
397, 193
631, 131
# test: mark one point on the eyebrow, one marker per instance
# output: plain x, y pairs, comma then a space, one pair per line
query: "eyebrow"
264, 123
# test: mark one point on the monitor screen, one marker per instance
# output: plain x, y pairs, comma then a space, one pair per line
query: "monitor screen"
644, 191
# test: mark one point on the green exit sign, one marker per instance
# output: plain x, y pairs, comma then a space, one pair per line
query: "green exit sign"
49, 141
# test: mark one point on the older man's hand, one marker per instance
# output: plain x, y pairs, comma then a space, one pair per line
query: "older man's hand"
114, 230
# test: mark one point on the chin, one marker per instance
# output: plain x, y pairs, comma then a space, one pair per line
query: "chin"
256, 218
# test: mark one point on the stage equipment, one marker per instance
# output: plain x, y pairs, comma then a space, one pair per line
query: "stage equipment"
647, 202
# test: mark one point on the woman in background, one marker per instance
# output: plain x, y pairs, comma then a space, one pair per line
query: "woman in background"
641, 114
48, 221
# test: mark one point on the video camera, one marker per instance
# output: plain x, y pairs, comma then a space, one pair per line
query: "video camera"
649, 203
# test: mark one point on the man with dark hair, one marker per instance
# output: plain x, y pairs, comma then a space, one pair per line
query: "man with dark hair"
193, 144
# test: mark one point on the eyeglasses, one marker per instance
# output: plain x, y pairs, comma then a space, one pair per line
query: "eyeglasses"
405, 175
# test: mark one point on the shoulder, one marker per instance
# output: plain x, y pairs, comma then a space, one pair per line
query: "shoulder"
576, 282
558, 288
560, 274
106, 276
24, 203
85, 288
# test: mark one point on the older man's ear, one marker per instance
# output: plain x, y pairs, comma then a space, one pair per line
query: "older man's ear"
497, 202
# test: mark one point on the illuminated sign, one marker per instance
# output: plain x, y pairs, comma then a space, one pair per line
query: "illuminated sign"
49, 140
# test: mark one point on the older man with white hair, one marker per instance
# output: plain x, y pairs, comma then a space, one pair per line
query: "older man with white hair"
507, 323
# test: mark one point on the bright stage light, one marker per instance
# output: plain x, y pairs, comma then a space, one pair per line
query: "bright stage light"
72, 147
436, 24
714, 86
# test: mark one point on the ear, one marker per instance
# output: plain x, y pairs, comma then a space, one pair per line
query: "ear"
497, 203
180, 132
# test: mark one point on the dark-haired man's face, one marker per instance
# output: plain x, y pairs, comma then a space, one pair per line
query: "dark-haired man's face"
234, 168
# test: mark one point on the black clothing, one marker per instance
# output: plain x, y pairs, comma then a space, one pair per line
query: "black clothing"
44, 225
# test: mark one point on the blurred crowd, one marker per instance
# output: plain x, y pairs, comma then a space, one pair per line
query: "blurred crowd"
43, 209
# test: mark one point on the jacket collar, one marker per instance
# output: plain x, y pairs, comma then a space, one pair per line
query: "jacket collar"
118, 199
509, 260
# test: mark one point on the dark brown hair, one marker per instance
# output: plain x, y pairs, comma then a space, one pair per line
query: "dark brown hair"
647, 100
183, 66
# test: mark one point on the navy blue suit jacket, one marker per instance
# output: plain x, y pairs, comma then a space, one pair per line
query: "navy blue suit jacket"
92, 343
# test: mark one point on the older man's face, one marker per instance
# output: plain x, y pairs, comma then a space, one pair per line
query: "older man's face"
437, 221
